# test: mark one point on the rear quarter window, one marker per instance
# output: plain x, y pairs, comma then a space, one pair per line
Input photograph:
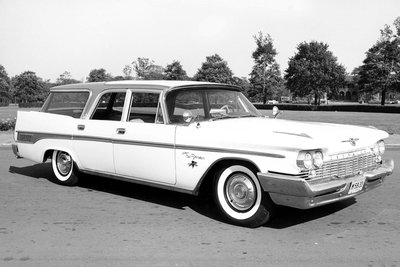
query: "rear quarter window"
66, 103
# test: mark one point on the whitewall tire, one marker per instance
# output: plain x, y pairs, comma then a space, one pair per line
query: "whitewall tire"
63, 168
240, 198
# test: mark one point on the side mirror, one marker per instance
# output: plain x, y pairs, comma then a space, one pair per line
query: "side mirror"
276, 112
187, 116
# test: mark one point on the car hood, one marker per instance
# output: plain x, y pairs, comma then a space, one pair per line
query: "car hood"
296, 134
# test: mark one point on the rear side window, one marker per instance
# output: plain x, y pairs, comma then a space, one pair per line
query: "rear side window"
110, 107
66, 103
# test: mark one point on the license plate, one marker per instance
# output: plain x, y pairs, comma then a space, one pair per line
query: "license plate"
357, 185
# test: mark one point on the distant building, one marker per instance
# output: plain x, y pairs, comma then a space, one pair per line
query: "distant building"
349, 93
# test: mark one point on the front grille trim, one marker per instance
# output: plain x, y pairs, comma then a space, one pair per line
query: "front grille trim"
344, 168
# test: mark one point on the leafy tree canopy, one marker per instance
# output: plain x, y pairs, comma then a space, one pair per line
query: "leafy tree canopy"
214, 69
127, 70
118, 78
65, 78
99, 75
29, 88
381, 67
265, 76
265, 52
313, 70
242, 83
5, 81
146, 69
175, 71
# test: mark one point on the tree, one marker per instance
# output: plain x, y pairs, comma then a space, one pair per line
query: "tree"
242, 83
314, 71
156, 73
175, 71
99, 75
118, 78
214, 69
265, 77
5, 82
380, 71
29, 88
65, 78
146, 69
127, 70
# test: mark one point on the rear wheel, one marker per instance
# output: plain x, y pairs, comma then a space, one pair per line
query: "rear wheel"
240, 198
63, 168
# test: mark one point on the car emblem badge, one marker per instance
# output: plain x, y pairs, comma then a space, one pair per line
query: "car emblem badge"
193, 164
352, 141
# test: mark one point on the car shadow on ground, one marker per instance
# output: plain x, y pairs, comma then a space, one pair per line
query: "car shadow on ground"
285, 216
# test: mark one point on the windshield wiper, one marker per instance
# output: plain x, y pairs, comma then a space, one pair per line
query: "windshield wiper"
227, 116
222, 116
247, 116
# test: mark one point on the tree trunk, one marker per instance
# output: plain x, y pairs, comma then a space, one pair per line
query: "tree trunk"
315, 99
383, 99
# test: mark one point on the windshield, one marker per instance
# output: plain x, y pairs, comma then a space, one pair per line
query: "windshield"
208, 104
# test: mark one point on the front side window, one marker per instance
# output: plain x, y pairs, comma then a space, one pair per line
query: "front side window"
180, 102
144, 108
110, 107
66, 103
208, 104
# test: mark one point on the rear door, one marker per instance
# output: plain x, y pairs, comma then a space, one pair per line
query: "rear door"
93, 137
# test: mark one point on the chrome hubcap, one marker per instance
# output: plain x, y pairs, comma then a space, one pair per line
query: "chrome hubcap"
64, 163
240, 192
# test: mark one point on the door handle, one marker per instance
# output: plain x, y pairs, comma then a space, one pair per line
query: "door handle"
81, 127
120, 131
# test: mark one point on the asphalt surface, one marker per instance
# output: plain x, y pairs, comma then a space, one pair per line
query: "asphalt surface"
104, 222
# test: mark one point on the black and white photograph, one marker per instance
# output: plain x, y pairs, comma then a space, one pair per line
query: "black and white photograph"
199, 133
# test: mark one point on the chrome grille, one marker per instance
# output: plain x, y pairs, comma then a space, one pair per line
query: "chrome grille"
345, 167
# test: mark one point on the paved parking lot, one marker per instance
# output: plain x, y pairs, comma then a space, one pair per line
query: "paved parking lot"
111, 223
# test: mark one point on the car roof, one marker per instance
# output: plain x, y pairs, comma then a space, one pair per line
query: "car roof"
97, 87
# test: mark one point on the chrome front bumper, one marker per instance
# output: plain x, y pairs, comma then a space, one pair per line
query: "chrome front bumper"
298, 193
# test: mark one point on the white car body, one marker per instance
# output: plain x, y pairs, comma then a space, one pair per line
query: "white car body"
182, 156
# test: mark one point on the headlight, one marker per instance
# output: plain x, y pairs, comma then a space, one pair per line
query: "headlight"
308, 160
381, 147
318, 159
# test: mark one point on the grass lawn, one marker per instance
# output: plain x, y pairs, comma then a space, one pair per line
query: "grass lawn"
10, 112
385, 121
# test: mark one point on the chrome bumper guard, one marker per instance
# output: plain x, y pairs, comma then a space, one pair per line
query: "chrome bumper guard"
298, 193
15, 150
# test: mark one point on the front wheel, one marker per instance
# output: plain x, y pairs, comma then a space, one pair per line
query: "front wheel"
240, 198
63, 168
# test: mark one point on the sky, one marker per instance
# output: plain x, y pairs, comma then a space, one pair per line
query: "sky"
50, 37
